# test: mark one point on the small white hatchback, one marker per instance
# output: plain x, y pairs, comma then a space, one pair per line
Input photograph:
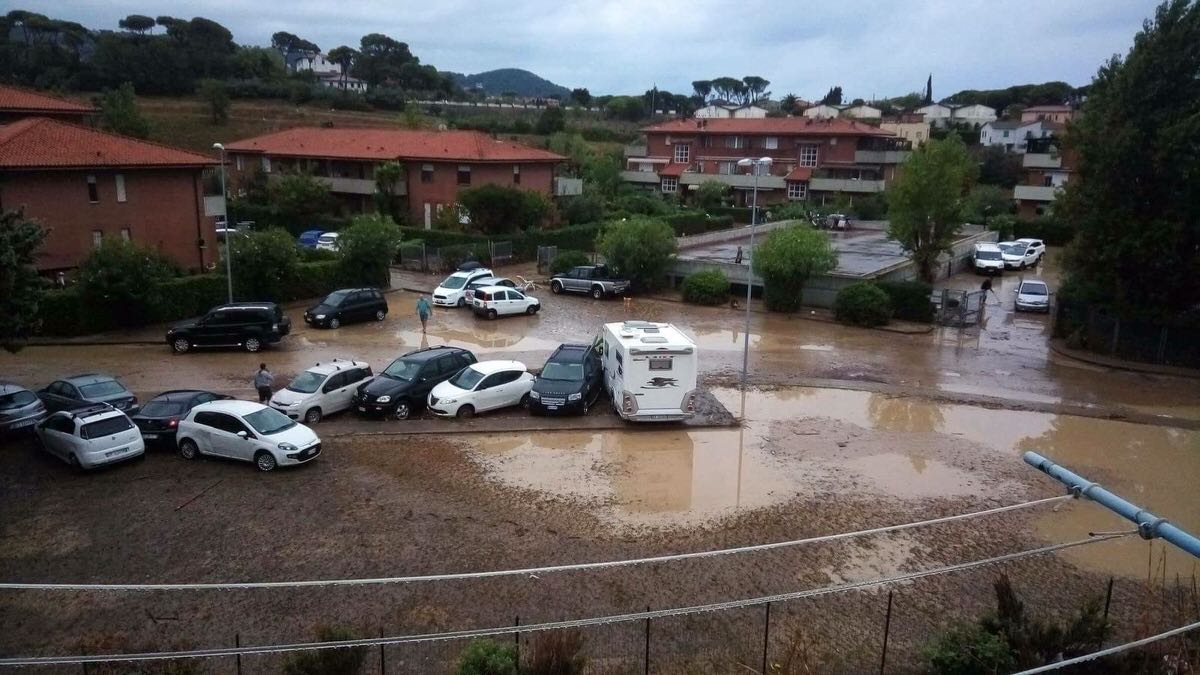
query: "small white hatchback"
483, 386
90, 436
246, 431
322, 390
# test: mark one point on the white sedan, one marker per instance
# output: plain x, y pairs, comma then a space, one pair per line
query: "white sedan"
246, 431
483, 386
90, 436
494, 301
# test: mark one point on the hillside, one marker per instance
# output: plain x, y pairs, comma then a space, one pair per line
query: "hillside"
520, 82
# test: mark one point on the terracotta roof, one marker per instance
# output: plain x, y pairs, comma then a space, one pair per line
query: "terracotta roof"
17, 99
385, 144
799, 173
672, 169
782, 126
44, 143
1048, 108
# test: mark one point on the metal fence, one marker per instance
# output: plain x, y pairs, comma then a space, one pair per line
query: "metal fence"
423, 258
959, 308
545, 258
1136, 340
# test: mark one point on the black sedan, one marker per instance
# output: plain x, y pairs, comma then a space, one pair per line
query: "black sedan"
159, 418
347, 305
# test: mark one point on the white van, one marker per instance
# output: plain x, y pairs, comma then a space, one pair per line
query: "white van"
649, 371
989, 259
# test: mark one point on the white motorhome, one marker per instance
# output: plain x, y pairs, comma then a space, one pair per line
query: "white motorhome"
649, 371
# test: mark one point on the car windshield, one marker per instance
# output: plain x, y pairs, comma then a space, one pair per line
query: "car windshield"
1033, 289
987, 255
106, 427
162, 409
466, 378
102, 388
335, 298
269, 421
17, 399
564, 372
402, 369
1014, 249
307, 382
453, 282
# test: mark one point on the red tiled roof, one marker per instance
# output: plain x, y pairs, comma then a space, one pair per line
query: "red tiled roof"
44, 143
782, 126
17, 99
1048, 108
799, 173
672, 170
385, 144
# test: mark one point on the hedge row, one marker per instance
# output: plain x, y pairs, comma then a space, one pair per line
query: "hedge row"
63, 312
1053, 232
909, 299
697, 223
525, 244
740, 214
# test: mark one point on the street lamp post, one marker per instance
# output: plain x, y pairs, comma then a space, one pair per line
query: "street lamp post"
228, 221
756, 166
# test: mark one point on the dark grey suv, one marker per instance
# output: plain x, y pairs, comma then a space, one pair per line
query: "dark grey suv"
20, 408
249, 325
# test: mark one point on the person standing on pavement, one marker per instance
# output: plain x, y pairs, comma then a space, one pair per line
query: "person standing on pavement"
263, 380
423, 311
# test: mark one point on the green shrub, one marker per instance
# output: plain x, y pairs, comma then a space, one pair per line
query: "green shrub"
1003, 225
697, 223
575, 237
343, 661
581, 209
565, 260
740, 214
862, 304
871, 207
264, 261
312, 280
712, 194
706, 287
61, 314
185, 297
641, 204
317, 255
640, 249
910, 299
121, 280
366, 250
786, 260
498, 209
969, 650
789, 211
486, 657
1052, 230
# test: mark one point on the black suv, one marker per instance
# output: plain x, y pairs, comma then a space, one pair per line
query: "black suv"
346, 305
403, 387
571, 381
249, 325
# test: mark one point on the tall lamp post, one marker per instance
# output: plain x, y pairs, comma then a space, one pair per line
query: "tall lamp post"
755, 167
228, 221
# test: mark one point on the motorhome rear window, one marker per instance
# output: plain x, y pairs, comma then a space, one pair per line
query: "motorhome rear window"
661, 364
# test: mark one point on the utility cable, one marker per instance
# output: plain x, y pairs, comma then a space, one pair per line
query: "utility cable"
571, 567
552, 625
1112, 650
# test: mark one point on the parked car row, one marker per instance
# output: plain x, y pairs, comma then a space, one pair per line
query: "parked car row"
991, 258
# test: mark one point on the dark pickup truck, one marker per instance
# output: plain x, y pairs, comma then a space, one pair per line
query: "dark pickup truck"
594, 280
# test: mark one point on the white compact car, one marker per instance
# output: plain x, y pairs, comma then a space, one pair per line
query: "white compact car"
494, 301
247, 431
327, 242
1017, 255
322, 390
1038, 246
483, 386
90, 436
451, 292
1032, 296
469, 291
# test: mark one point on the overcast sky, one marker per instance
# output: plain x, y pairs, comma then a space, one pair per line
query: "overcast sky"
626, 46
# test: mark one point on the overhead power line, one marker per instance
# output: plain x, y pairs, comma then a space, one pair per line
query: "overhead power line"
1112, 650
571, 567
552, 625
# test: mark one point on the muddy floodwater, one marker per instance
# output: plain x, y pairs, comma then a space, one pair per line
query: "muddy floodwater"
800, 442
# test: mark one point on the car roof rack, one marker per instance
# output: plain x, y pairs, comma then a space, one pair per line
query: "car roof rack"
89, 410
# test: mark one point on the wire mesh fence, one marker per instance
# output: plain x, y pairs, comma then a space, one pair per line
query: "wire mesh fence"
1147, 341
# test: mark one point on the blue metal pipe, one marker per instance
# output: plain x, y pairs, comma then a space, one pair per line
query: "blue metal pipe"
1149, 525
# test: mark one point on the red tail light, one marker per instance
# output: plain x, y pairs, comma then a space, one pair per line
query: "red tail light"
627, 403
173, 423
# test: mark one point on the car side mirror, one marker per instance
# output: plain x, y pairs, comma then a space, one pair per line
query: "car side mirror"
243, 435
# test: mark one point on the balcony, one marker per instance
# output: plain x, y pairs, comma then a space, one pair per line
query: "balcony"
880, 156
642, 177
1041, 161
568, 187
214, 205
635, 151
737, 180
1035, 193
354, 186
845, 185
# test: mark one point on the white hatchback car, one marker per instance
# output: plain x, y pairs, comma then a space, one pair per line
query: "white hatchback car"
494, 301
483, 386
1038, 246
1032, 296
1017, 255
322, 390
450, 293
90, 436
247, 431
327, 242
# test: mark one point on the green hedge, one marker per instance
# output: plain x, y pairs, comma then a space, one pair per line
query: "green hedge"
565, 260
910, 299
706, 287
1050, 230
312, 280
862, 304
186, 297
740, 214
525, 244
697, 223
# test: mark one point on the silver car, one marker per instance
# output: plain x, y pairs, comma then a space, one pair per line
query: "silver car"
90, 436
1032, 296
20, 408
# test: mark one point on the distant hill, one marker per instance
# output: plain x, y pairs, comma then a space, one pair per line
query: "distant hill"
520, 82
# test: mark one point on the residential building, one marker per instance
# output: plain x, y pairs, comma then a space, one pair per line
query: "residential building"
1002, 133
342, 82
863, 112
17, 103
1048, 168
823, 111
813, 158
910, 128
301, 60
728, 110
437, 164
1049, 113
936, 114
973, 115
87, 186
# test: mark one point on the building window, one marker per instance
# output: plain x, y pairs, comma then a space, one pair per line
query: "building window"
516, 174
735, 142
97, 238
808, 155
1048, 181
771, 143
683, 153
237, 162
121, 187
797, 191
426, 173
93, 190
670, 185
726, 168
464, 175
126, 235
266, 164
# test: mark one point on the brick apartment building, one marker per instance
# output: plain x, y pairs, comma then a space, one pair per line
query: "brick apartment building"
87, 186
437, 164
1047, 167
814, 159
18, 103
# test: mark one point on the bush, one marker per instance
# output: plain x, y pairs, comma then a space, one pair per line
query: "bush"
706, 287
871, 207
61, 314
862, 304
317, 255
909, 299
366, 250
641, 204
556, 653
264, 261
690, 223
640, 249
121, 280
486, 657
185, 297
565, 260
315, 279
966, 650
786, 260
342, 661
1003, 225
497, 209
740, 214
1053, 231
712, 194
789, 211
581, 209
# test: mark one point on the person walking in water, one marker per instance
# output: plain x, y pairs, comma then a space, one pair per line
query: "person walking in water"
423, 311
263, 380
